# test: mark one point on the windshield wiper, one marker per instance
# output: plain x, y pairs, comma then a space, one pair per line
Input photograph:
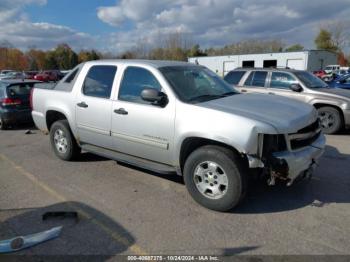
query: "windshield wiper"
205, 97
211, 97
229, 94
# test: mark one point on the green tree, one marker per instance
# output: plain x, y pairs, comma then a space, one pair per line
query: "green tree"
65, 57
50, 61
324, 41
296, 47
196, 51
85, 56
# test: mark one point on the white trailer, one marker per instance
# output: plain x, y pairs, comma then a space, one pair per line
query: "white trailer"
310, 60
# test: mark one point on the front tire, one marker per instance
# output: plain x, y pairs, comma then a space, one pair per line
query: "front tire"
63, 141
331, 121
214, 177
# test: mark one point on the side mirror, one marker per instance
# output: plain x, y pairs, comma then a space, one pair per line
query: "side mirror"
296, 88
154, 96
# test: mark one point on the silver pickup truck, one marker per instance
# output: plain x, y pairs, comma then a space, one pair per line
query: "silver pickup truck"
174, 117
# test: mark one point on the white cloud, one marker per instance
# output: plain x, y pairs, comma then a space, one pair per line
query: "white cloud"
220, 22
17, 29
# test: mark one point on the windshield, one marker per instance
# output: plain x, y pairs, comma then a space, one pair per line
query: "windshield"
310, 80
195, 84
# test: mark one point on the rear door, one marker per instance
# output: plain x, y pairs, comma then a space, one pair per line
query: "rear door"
255, 82
94, 106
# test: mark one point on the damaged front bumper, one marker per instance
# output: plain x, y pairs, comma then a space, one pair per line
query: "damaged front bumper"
290, 164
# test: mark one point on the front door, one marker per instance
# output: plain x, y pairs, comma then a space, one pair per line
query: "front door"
280, 83
140, 128
94, 106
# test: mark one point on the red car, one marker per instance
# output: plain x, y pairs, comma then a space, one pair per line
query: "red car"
320, 73
30, 74
48, 76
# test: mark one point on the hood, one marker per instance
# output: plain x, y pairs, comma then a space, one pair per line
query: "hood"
284, 114
335, 91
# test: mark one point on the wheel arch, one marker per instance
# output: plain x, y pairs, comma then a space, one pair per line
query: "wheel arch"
319, 105
52, 116
190, 144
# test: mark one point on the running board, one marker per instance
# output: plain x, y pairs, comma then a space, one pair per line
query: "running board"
128, 159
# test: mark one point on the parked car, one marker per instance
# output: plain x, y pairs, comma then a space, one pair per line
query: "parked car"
331, 68
333, 105
319, 73
14, 102
48, 76
30, 74
4, 72
176, 117
13, 75
341, 82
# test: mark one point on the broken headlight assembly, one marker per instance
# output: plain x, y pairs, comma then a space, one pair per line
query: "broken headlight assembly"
272, 144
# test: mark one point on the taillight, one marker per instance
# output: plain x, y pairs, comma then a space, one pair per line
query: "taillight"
31, 99
10, 102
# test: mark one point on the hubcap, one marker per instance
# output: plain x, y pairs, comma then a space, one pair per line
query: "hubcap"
211, 180
60, 141
327, 119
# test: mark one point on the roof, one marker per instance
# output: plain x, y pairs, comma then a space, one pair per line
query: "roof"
153, 63
267, 69
264, 53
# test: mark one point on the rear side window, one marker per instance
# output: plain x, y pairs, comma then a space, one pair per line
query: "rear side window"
234, 77
99, 81
134, 81
281, 80
71, 76
19, 89
257, 78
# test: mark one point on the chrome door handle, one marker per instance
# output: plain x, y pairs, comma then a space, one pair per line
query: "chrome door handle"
83, 105
121, 111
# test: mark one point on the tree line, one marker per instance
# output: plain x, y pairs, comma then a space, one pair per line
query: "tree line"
333, 37
62, 57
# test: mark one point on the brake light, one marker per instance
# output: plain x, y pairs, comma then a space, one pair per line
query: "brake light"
10, 102
31, 99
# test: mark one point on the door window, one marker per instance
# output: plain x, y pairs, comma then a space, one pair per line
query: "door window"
234, 77
99, 81
281, 80
257, 78
135, 80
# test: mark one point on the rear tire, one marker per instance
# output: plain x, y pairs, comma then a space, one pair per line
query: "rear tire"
63, 142
3, 125
331, 121
215, 178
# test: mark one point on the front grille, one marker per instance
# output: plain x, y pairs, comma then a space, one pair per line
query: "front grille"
305, 136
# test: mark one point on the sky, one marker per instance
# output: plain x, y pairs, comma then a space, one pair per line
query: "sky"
117, 26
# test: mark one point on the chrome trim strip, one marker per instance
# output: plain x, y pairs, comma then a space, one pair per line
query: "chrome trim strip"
94, 129
149, 142
305, 135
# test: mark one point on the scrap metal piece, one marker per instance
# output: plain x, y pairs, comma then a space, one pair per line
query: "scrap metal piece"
29, 132
22, 242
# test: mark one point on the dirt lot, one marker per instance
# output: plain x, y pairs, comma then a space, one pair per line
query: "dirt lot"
124, 210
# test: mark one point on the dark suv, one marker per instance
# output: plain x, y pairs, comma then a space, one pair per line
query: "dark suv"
333, 104
15, 102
